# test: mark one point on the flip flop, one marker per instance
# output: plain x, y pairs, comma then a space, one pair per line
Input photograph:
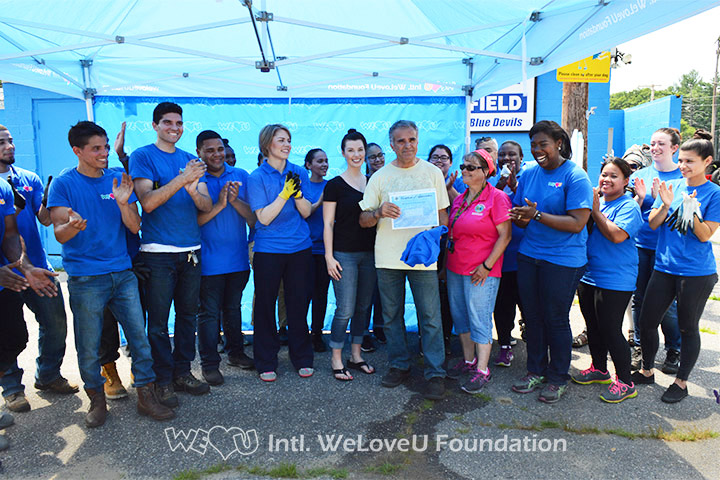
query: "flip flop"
359, 366
342, 371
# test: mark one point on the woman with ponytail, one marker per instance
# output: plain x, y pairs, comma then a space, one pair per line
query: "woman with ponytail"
686, 213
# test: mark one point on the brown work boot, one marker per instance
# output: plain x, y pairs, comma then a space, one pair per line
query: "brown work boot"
149, 405
98, 408
113, 387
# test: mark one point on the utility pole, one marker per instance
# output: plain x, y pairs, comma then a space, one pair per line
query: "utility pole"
652, 90
574, 106
714, 99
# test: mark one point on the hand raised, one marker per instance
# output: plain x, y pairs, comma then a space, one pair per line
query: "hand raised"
123, 191
233, 191
640, 188
666, 193
120, 141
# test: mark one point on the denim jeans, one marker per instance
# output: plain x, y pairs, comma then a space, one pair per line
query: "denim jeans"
13, 331
89, 295
353, 296
52, 331
220, 292
173, 277
294, 270
424, 286
472, 306
669, 323
546, 293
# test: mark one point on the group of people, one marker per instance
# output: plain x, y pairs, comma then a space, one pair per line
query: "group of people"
511, 234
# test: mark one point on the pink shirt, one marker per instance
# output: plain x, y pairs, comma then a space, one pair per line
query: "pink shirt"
474, 233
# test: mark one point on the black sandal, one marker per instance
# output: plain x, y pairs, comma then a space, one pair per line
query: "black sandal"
359, 366
342, 371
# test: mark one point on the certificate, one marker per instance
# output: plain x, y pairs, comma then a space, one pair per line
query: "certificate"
418, 209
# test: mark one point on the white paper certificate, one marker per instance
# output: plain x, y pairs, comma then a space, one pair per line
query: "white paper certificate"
418, 209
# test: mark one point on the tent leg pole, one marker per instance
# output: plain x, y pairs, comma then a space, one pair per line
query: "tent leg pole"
89, 109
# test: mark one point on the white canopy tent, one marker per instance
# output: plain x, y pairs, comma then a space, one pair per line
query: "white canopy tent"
310, 48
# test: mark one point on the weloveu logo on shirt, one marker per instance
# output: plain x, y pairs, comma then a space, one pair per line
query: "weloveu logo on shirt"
27, 188
107, 196
2, 202
555, 184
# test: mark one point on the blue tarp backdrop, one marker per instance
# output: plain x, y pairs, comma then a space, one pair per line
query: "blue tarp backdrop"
313, 123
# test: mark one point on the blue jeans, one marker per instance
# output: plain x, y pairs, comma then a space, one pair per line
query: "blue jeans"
353, 296
424, 286
172, 278
472, 306
546, 293
220, 292
52, 331
669, 323
118, 291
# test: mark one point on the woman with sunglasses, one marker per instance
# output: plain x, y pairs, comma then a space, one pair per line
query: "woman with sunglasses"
479, 232
553, 203
664, 143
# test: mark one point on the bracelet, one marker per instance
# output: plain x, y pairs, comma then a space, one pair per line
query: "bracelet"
538, 215
486, 267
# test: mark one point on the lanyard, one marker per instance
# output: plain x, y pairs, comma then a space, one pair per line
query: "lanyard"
462, 209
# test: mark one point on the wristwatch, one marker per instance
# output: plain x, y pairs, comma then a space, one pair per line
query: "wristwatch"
538, 216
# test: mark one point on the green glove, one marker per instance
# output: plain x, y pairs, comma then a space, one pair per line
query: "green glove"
290, 188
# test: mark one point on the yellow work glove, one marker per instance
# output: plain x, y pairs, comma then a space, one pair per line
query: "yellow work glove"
290, 188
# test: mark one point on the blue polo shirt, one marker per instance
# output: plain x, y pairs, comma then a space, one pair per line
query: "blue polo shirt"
175, 222
315, 221
510, 256
7, 207
567, 187
102, 247
288, 232
647, 237
614, 266
224, 238
32, 188
686, 255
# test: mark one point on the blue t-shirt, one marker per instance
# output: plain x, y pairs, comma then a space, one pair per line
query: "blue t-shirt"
32, 188
686, 255
614, 266
175, 222
224, 238
510, 256
567, 187
647, 237
288, 232
7, 207
315, 221
102, 247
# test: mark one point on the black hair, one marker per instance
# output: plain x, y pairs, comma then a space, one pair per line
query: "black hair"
80, 133
226, 142
206, 135
261, 157
310, 155
353, 135
623, 165
515, 144
444, 147
701, 143
163, 108
554, 131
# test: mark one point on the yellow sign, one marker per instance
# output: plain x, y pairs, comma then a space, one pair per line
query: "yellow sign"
591, 69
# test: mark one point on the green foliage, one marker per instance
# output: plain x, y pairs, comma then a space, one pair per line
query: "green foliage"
696, 107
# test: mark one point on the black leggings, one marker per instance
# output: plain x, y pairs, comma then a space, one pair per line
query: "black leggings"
508, 297
320, 293
692, 294
604, 311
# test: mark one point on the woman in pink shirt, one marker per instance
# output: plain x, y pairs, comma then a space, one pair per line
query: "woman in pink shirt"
479, 231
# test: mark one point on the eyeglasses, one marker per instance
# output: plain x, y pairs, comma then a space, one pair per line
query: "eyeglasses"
439, 158
372, 158
469, 168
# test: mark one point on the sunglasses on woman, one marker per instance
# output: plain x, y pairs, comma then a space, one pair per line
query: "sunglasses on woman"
469, 168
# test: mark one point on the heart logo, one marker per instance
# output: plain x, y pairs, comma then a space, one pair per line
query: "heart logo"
223, 440
459, 125
249, 150
432, 87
